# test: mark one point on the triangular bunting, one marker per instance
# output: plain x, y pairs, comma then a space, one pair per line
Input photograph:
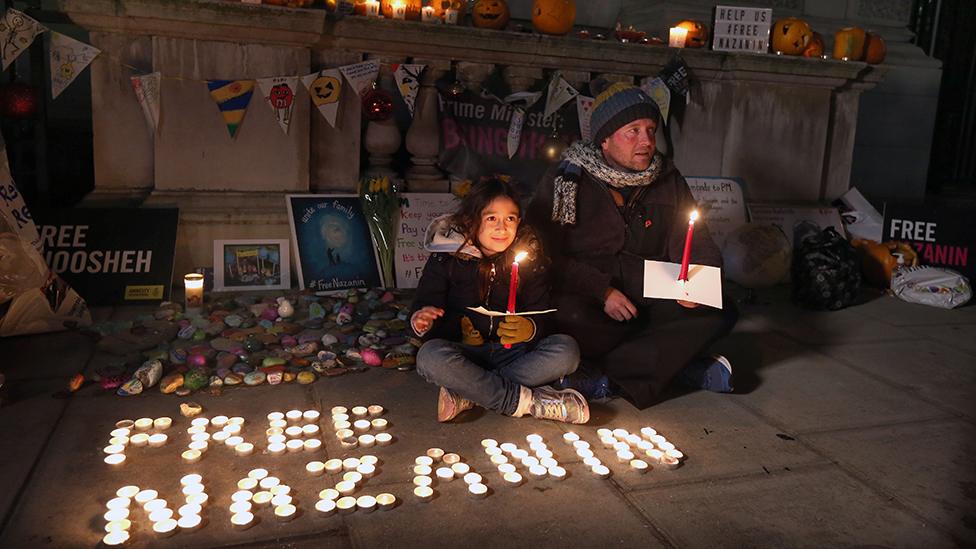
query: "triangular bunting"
660, 93
558, 94
408, 82
520, 102
17, 33
279, 94
361, 75
584, 105
325, 88
232, 97
146, 88
68, 58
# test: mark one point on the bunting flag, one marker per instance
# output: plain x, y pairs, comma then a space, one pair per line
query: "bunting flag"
520, 102
232, 97
584, 107
17, 33
361, 75
325, 88
68, 58
660, 93
408, 82
558, 94
147, 92
279, 94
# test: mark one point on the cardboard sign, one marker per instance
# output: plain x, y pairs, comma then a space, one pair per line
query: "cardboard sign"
741, 29
417, 210
111, 255
941, 236
787, 217
331, 236
723, 207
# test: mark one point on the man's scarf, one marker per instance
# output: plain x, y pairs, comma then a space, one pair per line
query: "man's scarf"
584, 156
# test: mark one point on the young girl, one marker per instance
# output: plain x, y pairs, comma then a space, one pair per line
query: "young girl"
465, 352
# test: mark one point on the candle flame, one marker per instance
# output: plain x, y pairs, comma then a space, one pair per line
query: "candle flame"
693, 217
520, 256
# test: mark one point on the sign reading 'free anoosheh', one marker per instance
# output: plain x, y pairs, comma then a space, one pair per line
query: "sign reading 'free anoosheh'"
741, 29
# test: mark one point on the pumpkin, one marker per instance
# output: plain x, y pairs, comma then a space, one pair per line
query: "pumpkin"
359, 7
440, 6
849, 44
697, 36
791, 36
875, 50
490, 14
816, 46
413, 8
553, 16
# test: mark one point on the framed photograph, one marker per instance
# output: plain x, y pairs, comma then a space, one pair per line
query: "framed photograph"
251, 265
332, 240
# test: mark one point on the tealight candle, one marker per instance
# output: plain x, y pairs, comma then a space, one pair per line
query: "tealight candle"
258, 474
669, 462
242, 521
154, 505
360, 411
329, 493
116, 537
200, 446
333, 465
294, 431
285, 513
118, 525
232, 429
293, 415
262, 498
233, 441
493, 451
379, 424
655, 454
624, 456
665, 446
144, 423
278, 423
353, 476
350, 464
192, 478
675, 453
529, 461
460, 469
310, 429
386, 501
280, 489
276, 448
445, 474
499, 460
621, 446
399, 9
533, 438
608, 442
268, 483
129, 491
601, 471
191, 489
472, 478
367, 441
369, 459
219, 421
118, 503
639, 465
311, 415
657, 439
366, 470
424, 460
277, 439
120, 433
295, 445
423, 493
427, 14
115, 459
581, 444
366, 504
538, 447
557, 472
346, 487
200, 499
620, 433
189, 509
236, 420
274, 431
346, 505
345, 433
424, 470
164, 527
478, 490
121, 513
384, 439
200, 422
312, 444
240, 507
451, 459
145, 496
644, 445
375, 410
118, 441
548, 463
570, 438
361, 425
275, 416
139, 439
519, 454
489, 443
340, 417
435, 454
158, 440
247, 483
124, 424
325, 507
538, 471
647, 432
220, 437
584, 453
242, 495
513, 479
507, 447
591, 461
422, 480
280, 500
315, 468
506, 468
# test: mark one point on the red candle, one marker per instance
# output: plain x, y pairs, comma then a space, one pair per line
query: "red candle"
686, 256
513, 284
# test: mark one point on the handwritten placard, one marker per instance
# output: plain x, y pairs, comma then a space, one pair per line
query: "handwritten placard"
417, 210
14, 215
742, 29
788, 217
722, 205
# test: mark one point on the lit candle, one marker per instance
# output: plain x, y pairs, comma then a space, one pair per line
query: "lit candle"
354, 477
219, 421
144, 423
145, 496
360, 411
193, 289
280, 500
386, 501
157, 440
366, 504
199, 499
375, 410
548, 462
423, 493
601, 471
538, 471
665, 446
232, 429
379, 424
493, 451
384, 439
513, 479
284, 513
584, 453
247, 483
423, 470
339, 410
325, 507
435, 454
499, 460
445, 474
533, 438
118, 525
274, 416
159, 515
427, 14
276, 448
114, 449
333, 465
262, 498
603, 432
329, 493
422, 480
311, 415
121, 513
648, 432
312, 444
258, 474
315, 468
367, 441
478, 490
280, 489
242, 521
633, 440
399, 10
236, 420
191, 489
460, 469
489, 443
472, 478
451, 16
513, 283
424, 460
592, 461
361, 425
675, 453
293, 415
162, 423
350, 464
506, 468
508, 447
669, 462
277, 423
294, 431
242, 495
686, 256
677, 37
232, 442
268, 483
346, 432
655, 454
557, 472
189, 509
366, 470
372, 8
346, 487
127, 491
116, 537
118, 503
570, 438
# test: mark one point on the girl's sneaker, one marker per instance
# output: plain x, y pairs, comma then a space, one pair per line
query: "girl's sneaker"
450, 404
566, 405
713, 373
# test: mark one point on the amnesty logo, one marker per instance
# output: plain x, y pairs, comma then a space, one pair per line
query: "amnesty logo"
134, 293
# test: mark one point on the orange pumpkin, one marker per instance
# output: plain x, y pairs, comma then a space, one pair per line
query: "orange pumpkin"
440, 6
697, 36
816, 46
791, 36
490, 14
875, 50
413, 8
553, 16
849, 44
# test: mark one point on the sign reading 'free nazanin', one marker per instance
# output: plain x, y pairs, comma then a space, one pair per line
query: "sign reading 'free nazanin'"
742, 29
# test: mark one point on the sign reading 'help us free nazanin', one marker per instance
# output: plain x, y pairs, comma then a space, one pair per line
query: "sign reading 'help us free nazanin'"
741, 29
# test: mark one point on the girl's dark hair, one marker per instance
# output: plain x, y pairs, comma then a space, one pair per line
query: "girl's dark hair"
467, 218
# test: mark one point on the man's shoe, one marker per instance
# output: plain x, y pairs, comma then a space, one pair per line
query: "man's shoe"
566, 405
450, 404
713, 373
593, 385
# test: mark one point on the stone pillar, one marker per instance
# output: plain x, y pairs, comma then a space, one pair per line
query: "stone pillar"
473, 75
577, 79
424, 135
520, 79
383, 137
335, 151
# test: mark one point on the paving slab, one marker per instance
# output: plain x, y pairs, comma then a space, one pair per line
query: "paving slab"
813, 392
938, 482
64, 355
817, 507
930, 369
961, 337
894, 311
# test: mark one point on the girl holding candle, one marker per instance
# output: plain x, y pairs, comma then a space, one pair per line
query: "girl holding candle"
477, 359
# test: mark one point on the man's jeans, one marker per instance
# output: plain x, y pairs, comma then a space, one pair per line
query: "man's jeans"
491, 375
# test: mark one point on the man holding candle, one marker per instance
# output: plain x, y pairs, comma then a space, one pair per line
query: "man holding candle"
604, 209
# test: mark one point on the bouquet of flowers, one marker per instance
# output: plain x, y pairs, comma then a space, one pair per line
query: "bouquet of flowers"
380, 204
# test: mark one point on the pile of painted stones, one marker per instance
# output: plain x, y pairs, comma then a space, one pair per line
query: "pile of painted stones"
246, 340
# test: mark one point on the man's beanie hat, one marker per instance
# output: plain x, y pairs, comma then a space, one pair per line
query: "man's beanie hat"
618, 105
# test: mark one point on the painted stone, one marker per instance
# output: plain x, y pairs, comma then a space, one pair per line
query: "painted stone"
256, 377
130, 388
368, 340
171, 383
288, 376
306, 377
186, 332
388, 297
222, 372
269, 313
272, 361
304, 349
285, 308
242, 368
149, 373
190, 409
216, 382
266, 324
252, 344
232, 379
353, 353
371, 357
182, 392
275, 377
316, 311
329, 339
397, 360
288, 341
234, 321
196, 360
226, 360
195, 379
343, 318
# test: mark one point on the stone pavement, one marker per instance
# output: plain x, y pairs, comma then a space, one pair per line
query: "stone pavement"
848, 428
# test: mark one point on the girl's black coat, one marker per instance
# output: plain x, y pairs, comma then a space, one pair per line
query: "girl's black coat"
451, 282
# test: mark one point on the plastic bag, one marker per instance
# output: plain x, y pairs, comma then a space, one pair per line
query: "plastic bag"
826, 269
933, 286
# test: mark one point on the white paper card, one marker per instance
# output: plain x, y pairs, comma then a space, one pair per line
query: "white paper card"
704, 285
486, 312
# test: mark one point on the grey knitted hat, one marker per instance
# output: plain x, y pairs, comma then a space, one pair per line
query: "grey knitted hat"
618, 105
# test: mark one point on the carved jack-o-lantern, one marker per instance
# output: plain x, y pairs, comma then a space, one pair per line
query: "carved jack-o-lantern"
816, 46
849, 44
875, 49
413, 8
440, 6
791, 36
553, 16
697, 36
490, 14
